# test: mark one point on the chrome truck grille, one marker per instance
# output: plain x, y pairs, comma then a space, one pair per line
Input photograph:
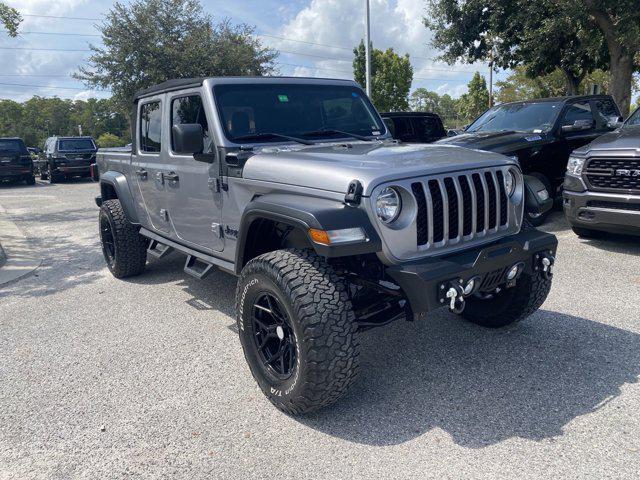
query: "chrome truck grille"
454, 211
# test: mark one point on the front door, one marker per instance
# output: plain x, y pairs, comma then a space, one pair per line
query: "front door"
195, 207
148, 165
580, 110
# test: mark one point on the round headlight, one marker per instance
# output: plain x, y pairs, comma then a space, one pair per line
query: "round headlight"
388, 205
510, 182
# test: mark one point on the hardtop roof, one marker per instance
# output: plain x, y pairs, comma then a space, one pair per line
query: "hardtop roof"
180, 83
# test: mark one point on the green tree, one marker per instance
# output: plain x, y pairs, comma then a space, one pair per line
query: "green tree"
575, 36
476, 100
109, 140
10, 18
150, 41
391, 77
423, 100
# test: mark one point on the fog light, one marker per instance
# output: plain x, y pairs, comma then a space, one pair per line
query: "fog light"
513, 272
468, 288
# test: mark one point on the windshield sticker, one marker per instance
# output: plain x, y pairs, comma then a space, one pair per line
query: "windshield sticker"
375, 132
533, 138
283, 98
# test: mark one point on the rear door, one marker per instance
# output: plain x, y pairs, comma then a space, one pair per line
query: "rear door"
148, 164
195, 208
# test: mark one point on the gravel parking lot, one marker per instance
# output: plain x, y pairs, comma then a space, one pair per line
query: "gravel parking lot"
145, 378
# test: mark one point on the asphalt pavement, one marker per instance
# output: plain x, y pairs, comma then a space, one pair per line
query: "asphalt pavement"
145, 378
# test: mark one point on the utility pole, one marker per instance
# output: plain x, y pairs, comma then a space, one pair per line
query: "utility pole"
367, 47
491, 77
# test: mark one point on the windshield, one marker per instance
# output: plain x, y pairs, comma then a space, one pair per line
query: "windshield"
634, 119
520, 117
301, 111
12, 146
71, 144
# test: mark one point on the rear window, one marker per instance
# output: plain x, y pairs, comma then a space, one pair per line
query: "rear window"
12, 146
72, 144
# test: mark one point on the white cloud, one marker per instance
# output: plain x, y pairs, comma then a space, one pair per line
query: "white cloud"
394, 23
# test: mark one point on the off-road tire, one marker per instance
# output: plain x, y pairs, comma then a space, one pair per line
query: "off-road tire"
510, 305
587, 233
130, 247
53, 177
30, 180
317, 304
43, 174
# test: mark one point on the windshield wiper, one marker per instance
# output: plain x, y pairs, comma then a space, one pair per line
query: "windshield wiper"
259, 135
331, 131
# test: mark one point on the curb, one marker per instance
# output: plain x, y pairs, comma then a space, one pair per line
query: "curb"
16, 259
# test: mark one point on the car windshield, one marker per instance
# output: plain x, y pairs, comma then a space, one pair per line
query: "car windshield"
11, 146
259, 113
534, 117
72, 144
634, 119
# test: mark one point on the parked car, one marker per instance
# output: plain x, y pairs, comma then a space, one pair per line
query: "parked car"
67, 157
414, 127
295, 186
15, 161
540, 134
602, 185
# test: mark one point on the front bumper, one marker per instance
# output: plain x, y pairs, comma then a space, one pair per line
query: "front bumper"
422, 281
608, 212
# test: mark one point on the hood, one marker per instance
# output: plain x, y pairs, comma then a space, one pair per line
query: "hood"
332, 167
501, 142
626, 138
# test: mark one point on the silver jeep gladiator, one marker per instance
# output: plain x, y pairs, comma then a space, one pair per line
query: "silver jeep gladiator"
295, 186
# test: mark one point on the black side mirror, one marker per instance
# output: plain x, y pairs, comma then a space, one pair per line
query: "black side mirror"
578, 126
537, 199
187, 138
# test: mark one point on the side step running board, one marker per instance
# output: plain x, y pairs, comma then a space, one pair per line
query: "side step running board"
204, 258
197, 268
158, 250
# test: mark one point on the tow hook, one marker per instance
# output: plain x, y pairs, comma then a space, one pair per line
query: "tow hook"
545, 262
454, 294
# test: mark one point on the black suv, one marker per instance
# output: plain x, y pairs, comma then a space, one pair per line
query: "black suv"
414, 127
66, 157
15, 161
541, 133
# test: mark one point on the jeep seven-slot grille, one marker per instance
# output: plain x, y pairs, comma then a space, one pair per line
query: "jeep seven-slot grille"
613, 173
455, 207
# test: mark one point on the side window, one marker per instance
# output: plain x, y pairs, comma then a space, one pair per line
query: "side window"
577, 111
606, 111
150, 127
190, 110
634, 119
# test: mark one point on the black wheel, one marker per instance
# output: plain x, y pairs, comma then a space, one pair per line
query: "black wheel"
124, 249
43, 173
297, 329
509, 305
52, 176
539, 219
587, 233
30, 180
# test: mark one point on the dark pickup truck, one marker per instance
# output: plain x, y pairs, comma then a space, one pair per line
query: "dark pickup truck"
602, 185
15, 161
414, 127
540, 134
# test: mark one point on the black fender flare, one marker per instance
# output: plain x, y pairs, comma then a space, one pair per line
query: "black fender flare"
306, 212
118, 181
533, 203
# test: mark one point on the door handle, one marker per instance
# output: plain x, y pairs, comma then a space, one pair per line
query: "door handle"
171, 176
142, 173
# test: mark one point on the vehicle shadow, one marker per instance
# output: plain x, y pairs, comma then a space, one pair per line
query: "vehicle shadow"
615, 243
556, 223
481, 386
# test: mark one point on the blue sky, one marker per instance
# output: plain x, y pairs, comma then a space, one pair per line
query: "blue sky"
315, 38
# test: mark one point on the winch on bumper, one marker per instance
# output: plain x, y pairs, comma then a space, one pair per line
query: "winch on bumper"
446, 281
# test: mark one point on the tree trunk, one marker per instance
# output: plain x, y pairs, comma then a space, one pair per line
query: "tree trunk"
621, 78
572, 82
